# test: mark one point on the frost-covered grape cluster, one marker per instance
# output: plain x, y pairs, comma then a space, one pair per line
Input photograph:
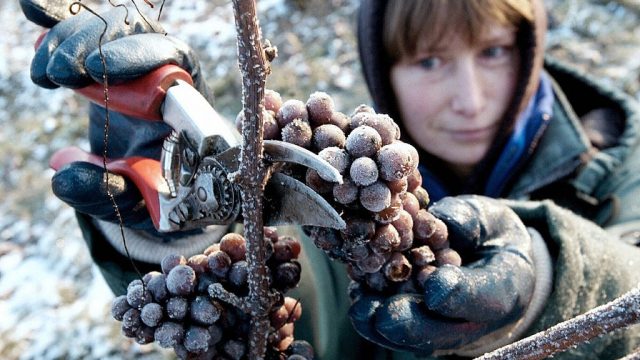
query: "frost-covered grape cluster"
174, 307
392, 242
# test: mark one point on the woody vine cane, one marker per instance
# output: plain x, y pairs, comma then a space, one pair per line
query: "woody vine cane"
252, 176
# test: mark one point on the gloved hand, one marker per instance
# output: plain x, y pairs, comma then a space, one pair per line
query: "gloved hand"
69, 56
459, 304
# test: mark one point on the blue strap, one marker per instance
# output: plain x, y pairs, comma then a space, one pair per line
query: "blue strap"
529, 124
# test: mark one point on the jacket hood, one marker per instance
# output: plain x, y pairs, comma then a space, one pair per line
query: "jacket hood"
376, 67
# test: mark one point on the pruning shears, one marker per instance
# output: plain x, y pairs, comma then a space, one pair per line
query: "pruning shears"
190, 187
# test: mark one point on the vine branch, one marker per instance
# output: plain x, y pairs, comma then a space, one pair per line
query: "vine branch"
252, 174
619, 313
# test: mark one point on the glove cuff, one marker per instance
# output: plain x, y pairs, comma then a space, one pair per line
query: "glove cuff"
145, 247
543, 268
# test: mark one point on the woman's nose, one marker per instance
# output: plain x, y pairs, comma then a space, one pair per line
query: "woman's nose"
467, 93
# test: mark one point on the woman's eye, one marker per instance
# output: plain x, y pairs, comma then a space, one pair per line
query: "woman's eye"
495, 52
430, 63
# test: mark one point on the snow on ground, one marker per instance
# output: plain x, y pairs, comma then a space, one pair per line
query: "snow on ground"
53, 302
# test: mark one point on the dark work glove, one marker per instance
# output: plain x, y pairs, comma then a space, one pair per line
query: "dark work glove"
69, 56
460, 304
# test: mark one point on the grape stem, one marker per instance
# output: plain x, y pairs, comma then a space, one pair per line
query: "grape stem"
619, 313
252, 173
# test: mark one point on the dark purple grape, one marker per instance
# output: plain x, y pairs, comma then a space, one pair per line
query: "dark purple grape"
372, 263
291, 110
439, 236
144, 335
204, 311
215, 333
391, 212
238, 274
363, 171
355, 273
235, 349
422, 256
327, 239
157, 286
340, 120
317, 183
169, 334
448, 256
219, 263
398, 186
375, 197
119, 307
320, 107
296, 356
345, 193
196, 339
356, 251
395, 161
270, 127
138, 296
211, 248
272, 100
414, 179
338, 158
131, 320
203, 282
171, 261
286, 275
360, 118
181, 280
270, 232
234, 245
286, 248
199, 263
151, 314
385, 239
363, 141
363, 108
424, 273
302, 348
177, 308
410, 204
424, 225
377, 281
297, 132
328, 135
358, 229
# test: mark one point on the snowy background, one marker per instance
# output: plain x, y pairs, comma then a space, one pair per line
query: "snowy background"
53, 302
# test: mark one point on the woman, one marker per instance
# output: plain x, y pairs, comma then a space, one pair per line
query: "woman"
467, 83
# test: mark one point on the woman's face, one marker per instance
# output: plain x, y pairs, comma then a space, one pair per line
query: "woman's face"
452, 97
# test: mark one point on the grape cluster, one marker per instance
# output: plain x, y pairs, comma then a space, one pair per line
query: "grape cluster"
174, 308
391, 242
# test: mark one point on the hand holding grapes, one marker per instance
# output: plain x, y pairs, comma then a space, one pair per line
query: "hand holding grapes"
459, 304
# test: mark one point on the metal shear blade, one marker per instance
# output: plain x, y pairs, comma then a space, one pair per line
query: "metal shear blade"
204, 151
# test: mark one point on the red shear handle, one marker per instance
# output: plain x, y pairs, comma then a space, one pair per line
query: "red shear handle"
145, 173
142, 97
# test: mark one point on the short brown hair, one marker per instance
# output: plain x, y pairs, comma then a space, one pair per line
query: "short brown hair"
413, 24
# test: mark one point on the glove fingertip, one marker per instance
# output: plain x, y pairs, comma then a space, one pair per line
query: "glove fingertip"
363, 317
78, 183
46, 13
64, 70
441, 286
